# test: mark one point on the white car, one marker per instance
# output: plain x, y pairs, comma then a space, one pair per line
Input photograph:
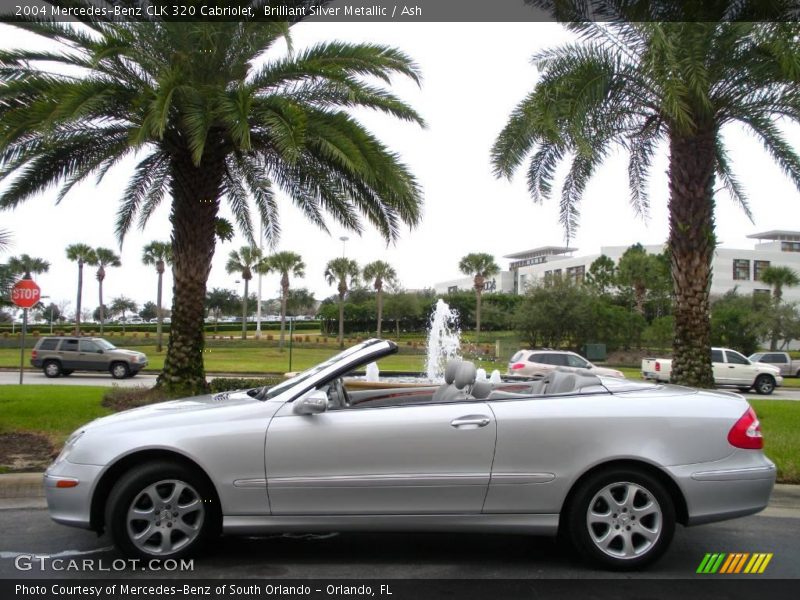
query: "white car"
538, 363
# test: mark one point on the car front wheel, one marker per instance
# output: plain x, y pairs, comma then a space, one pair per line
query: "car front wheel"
160, 510
621, 519
764, 385
119, 370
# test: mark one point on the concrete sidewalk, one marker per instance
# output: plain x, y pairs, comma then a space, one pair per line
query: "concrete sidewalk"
25, 490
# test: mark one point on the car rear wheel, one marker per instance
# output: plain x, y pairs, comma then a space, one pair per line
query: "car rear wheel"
119, 370
621, 519
51, 368
764, 385
160, 510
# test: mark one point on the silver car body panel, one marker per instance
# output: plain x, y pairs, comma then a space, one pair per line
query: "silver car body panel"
479, 465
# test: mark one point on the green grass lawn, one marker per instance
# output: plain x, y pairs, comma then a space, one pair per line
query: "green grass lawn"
52, 410
780, 424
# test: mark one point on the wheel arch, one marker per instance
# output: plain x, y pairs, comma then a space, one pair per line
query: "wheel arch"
124, 464
678, 499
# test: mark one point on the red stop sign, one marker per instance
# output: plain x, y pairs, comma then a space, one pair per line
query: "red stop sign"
25, 293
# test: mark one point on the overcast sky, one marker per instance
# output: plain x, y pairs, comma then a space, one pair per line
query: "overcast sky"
474, 74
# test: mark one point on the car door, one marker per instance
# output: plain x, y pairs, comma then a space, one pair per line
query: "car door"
91, 356
741, 370
407, 459
69, 355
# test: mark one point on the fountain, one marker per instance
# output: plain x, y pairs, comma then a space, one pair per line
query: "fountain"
444, 341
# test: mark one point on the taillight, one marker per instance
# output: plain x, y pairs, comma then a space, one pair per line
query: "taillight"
33, 353
516, 366
746, 432
658, 366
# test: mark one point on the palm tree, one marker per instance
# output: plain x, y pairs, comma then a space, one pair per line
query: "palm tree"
26, 265
778, 277
634, 84
83, 255
284, 263
479, 266
121, 305
340, 271
104, 258
245, 261
380, 272
212, 111
158, 254
5, 239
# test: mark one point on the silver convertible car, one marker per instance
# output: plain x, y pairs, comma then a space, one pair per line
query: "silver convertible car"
610, 464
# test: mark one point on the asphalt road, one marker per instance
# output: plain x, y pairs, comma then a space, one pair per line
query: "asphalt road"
396, 556
146, 379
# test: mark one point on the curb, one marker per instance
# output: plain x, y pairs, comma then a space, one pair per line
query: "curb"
29, 485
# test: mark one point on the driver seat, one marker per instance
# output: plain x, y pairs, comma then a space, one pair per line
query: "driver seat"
447, 391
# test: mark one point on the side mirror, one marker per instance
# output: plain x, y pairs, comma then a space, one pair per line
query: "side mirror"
312, 403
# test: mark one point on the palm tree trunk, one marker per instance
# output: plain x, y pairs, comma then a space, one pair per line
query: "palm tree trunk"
691, 245
284, 298
102, 312
477, 315
80, 290
159, 328
341, 320
195, 203
380, 310
244, 311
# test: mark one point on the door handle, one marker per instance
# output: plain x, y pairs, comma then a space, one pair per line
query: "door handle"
470, 422
731, 367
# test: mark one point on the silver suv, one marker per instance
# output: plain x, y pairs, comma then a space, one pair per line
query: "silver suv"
64, 355
538, 363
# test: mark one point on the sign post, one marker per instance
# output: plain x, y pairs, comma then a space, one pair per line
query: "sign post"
24, 294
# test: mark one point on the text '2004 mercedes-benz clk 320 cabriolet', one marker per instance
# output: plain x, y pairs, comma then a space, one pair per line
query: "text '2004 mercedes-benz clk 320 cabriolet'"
610, 464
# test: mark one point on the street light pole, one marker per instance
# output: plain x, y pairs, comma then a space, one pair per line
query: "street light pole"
343, 239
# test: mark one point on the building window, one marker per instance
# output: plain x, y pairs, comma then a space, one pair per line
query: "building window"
548, 277
790, 246
452, 289
576, 274
758, 269
741, 269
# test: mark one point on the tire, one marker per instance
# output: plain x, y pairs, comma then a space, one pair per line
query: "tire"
764, 385
51, 369
613, 502
67, 372
119, 370
191, 518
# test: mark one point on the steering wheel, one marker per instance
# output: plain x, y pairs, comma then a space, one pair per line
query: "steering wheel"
337, 393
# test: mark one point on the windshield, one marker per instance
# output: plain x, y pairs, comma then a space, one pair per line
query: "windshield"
267, 393
105, 345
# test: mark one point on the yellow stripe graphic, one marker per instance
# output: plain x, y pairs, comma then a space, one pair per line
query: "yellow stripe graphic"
752, 563
758, 562
765, 563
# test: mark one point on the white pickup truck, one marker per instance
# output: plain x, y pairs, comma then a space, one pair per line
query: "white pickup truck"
730, 369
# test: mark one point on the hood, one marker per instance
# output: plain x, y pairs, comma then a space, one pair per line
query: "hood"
127, 352
198, 409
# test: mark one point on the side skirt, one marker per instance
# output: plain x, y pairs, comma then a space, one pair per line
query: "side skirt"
544, 524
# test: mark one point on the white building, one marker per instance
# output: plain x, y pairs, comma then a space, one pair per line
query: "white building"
731, 267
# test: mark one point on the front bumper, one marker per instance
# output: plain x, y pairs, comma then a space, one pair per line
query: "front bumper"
736, 486
71, 505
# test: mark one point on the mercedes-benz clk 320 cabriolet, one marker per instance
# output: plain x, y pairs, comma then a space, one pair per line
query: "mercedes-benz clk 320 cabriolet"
610, 464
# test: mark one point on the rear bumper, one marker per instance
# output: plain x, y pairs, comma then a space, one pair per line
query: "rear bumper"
736, 486
37, 362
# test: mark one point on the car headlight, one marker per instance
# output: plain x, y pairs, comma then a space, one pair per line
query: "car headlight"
69, 445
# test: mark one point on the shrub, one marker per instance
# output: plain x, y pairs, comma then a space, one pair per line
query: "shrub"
122, 398
226, 384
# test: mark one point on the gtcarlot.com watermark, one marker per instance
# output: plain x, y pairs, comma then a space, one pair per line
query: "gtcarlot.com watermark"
44, 562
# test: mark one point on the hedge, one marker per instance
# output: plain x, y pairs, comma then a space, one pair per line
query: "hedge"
227, 384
